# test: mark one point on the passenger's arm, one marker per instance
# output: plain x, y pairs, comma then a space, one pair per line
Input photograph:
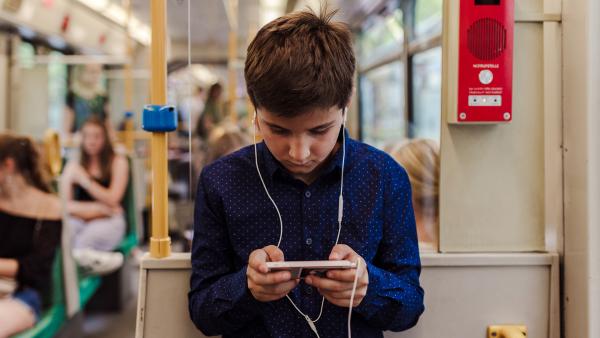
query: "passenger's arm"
83, 210
112, 195
8, 267
394, 299
89, 210
34, 268
219, 299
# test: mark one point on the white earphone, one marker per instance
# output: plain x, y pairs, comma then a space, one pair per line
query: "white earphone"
311, 322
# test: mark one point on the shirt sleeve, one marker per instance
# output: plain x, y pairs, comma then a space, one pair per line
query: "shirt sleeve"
394, 299
34, 268
219, 299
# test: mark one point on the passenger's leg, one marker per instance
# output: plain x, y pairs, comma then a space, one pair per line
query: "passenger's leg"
103, 234
15, 317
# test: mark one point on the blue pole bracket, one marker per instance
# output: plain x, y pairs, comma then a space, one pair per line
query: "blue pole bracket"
157, 118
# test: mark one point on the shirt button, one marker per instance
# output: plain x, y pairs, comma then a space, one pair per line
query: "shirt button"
307, 194
308, 241
309, 290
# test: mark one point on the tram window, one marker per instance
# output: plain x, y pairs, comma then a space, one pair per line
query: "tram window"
428, 18
57, 91
426, 89
381, 37
382, 104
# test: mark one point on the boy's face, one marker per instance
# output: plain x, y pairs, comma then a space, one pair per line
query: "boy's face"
303, 143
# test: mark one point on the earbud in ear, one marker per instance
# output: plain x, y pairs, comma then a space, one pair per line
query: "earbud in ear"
254, 118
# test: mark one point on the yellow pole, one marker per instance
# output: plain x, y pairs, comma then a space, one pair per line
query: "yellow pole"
160, 243
232, 78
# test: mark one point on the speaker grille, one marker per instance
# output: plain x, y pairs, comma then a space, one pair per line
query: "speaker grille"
486, 39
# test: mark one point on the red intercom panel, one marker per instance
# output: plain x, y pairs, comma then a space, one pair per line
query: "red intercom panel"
485, 61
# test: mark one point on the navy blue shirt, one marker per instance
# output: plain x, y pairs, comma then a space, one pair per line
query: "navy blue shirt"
233, 217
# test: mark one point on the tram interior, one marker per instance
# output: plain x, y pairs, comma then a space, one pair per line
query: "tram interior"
506, 211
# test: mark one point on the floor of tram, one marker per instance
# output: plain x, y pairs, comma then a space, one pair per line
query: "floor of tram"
120, 324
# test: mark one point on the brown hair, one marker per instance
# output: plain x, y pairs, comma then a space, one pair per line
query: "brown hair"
24, 152
299, 62
421, 159
224, 140
107, 154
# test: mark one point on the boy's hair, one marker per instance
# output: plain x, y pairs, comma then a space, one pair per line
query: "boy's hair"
299, 62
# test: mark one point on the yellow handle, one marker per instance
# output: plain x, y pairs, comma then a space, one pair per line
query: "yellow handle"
507, 331
52, 150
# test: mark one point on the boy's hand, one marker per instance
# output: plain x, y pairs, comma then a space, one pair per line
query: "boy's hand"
337, 287
268, 286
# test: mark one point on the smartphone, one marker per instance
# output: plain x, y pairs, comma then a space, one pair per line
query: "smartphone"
301, 269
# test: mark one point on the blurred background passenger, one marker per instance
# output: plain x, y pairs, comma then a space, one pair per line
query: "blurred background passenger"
94, 187
213, 111
194, 106
420, 158
225, 139
86, 98
30, 232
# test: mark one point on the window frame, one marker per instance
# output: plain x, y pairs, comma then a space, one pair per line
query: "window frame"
412, 45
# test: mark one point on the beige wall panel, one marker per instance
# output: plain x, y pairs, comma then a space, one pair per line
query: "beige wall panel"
492, 176
581, 81
486, 288
30, 107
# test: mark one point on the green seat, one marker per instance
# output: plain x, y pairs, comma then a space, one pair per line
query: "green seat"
88, 285
53, 318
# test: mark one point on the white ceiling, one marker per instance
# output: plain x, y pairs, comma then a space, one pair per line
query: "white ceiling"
209, 24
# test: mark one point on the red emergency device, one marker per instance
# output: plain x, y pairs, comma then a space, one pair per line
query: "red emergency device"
485, 61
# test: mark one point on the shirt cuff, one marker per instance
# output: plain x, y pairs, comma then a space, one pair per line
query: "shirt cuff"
238, 294
370, 304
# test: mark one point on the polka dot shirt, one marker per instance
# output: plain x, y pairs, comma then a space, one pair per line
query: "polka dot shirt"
233, 217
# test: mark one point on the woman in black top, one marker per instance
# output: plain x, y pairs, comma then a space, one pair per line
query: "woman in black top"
94, 187
30, 232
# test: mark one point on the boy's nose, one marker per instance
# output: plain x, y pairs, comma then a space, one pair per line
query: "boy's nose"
299, 151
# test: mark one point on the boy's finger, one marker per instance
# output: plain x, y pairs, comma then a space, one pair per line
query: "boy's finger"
257, 260
273, 278
341, 251
275, 254
346, 275
328, 284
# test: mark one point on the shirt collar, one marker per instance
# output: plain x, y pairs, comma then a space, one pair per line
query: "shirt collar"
273, 166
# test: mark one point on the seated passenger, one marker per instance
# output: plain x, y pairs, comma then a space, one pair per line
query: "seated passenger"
30, 232
94, 187
421, 159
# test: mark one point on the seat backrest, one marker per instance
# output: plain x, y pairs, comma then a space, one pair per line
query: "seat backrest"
57, 293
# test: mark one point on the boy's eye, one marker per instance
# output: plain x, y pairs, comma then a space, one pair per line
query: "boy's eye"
320, 131
280, 131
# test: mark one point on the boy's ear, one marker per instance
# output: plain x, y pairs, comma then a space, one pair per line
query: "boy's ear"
255, 121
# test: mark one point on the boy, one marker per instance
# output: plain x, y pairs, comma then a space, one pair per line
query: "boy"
299, 75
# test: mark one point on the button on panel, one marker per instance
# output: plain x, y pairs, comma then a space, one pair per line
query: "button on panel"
486, 76
485, 100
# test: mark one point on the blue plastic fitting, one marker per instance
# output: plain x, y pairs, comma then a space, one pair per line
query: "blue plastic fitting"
157, 118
